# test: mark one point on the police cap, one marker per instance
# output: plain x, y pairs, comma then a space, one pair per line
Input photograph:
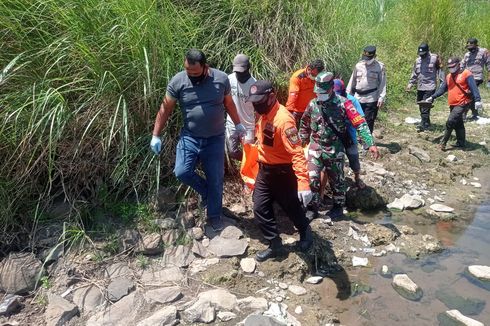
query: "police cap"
423, 48
369, 52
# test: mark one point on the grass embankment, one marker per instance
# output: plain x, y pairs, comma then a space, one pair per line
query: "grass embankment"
81, 81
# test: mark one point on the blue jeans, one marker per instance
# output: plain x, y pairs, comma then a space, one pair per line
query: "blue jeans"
210, 152
353, 156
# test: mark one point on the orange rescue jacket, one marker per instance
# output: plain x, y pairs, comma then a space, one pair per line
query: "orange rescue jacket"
300, 91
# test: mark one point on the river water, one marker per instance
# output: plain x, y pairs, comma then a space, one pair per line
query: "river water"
440, 276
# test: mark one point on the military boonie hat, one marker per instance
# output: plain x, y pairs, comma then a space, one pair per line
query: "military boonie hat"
369, 52
453, 62
259, 90
471, 43
323, 82
423, 48
241, 63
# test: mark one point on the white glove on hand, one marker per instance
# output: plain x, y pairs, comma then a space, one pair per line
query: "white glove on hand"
305, 197
156, 144
479, 107
429, 99
240, 130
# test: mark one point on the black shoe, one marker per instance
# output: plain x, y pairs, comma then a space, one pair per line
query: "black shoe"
216, 224
473, 118
312, 214
274, 250
305, 240
336, 213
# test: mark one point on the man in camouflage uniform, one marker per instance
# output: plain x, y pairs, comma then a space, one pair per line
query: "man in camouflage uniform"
475, 61
324, 127
425, 73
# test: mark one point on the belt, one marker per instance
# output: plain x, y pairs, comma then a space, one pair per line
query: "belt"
275, 166
366, 91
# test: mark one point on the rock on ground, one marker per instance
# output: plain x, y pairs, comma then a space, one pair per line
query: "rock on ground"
441, 208
88, 298
252, 303
9, 304
231, 232
122, 312
200, 311
454, 317
480, 272
260, 320
223, 247
419, 153
248, 265
296, 289
220, 298
406, 287
163, 317
179, 256
118, 288
162, 277
226, 315
314, 279
59, 311
18, 273
163, 295
151, 244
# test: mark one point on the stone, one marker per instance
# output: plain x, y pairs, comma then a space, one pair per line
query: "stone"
412, 121
454, 317
198, 249
226, 315
117, 270
364, 199
188, 220
441, 208
452, 300
359, 261
166, 223
385, 271
196, 233
200, 265
170, 237
163, 317
252, 303
59, 311
239, 209
122, 312
162, 277
151, 244
406, 287
223, 247
412, 201
378, 234
279, 299
378, 134
9, 304
130, 239
200, 311
88, 298
163, 295
119, 287
475, 184
260, 320
283, 285
298, 310
419, 153
219, 298
19, 272
480, 272
231, 232
314, 279
396, 205
179, 256
205, 242
296, 289
463, 182
451, 158
440, 199
248, 265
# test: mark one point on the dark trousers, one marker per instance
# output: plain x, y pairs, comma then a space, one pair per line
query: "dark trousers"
455, 122
277, 183
424, 110
370, 113
474, 112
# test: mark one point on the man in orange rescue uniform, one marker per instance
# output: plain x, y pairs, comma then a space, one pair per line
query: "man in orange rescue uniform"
301, 86
282, 175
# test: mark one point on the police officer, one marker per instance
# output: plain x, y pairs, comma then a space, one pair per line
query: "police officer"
368, 84
475, 61
460, 86
425, 72
282, 175
324, 126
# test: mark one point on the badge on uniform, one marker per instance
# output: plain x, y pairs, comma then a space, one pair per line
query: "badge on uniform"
292, 135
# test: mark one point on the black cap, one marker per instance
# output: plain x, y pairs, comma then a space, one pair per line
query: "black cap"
453, 61
423, 48
259, 90
471, 43
369, 52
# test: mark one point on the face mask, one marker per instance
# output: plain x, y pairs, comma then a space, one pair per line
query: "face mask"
312, 77
423, 55
242, 77
197, 79
453, 70
472, 50
368, 62
262, 107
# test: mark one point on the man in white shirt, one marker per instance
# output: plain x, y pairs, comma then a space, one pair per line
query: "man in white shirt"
240, 81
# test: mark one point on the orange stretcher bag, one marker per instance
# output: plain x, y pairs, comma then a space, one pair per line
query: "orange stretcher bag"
249, 167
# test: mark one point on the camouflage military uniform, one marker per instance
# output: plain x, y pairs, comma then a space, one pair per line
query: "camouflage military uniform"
326, 145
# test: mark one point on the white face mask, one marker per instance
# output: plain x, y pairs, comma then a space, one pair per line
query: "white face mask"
368, 62
323, 97
454, 70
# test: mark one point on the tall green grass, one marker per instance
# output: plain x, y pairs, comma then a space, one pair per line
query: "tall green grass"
81, 81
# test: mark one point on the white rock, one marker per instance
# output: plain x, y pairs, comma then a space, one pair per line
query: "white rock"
397, 204
314, 279
352, 249
441, 208
359, 261
283, 286
223, 247
392, 248
451, 158
475, 184
200, 311
248, 265
439, 199
279, 299
463, 182
205, 242
457, 316
163, 295
165, 316
226, 315
412, 202
480, 272
431, 200
252, 303
412, 121
231, 232
475, 179
296, 289
59, 311
406, 287
298, 310
220, 298
384, 269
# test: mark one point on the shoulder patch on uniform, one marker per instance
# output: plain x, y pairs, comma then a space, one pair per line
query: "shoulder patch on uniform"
292, 135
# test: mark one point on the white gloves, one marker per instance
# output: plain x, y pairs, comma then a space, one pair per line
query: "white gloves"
156, 144
429, 99
240, 130
305, 197
479, 107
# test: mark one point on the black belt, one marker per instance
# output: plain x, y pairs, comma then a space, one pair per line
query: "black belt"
275, 166
366, 91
